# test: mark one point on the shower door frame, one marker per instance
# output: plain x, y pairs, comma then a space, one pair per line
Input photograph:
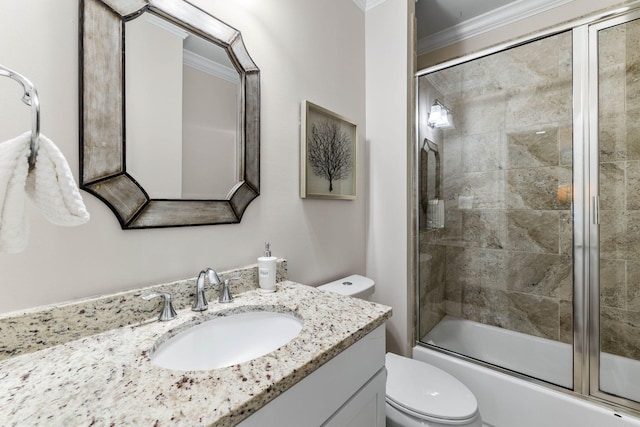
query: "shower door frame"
584, 209
591, 32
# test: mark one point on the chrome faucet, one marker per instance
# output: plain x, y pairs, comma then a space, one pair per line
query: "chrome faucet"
200, 301
225, 294
167, 312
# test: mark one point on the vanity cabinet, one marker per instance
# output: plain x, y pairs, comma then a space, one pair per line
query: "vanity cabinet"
349, 390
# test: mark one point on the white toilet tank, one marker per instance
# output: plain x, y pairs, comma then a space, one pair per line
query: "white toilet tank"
354, 286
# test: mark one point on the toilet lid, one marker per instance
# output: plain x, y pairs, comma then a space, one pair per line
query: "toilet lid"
427, 390
352, 285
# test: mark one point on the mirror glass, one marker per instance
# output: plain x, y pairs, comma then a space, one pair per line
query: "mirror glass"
170, 114
182, 97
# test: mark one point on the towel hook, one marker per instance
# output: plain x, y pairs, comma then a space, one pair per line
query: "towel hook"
30, 98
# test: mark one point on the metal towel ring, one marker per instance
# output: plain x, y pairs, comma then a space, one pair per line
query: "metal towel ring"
30, 98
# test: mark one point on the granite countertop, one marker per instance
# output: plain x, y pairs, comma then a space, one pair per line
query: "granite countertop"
108, 378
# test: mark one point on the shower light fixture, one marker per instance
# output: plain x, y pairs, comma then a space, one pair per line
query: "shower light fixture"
439, 116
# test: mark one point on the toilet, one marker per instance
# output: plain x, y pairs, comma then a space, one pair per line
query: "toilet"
418, 394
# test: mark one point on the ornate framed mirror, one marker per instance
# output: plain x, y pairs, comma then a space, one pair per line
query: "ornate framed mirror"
125, 140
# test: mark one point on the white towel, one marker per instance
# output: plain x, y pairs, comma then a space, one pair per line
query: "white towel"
14, 166
49, 184
53, 189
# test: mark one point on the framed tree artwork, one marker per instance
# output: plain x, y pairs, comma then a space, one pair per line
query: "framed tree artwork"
327, 154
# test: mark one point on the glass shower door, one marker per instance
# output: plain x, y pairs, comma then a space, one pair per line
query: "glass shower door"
495, 258
615, 55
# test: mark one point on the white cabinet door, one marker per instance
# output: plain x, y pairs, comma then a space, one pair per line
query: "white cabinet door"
315, 399
366, 408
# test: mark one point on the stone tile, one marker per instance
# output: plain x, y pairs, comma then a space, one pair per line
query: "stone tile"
566, 321
633, 40
483, 152
632, 235
633, 83
565, 57
479, 113
613, 234
447, 81
612, 188
532, 148
633, 286
484, 228
632, 187
565, 145
566, 233
452, 221
611, 88
486, 188
433, 310
533, 231
528, 314
475, 266
533, 315
620, 332
540, 274
619, 135
549, 102
612, 283
620, 234
452, 186
438, 258
435, 273
424, 272
633, 132
453, 308
543, 60
612, 46
612, 137
537, 188
451, 156
480, 77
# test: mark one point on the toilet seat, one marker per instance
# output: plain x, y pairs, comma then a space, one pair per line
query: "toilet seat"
427, 392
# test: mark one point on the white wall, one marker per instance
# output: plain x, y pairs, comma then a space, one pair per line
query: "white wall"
305, 50
208, 117
154, 107
388, 109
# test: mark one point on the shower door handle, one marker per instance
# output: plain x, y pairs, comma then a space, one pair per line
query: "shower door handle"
596, 209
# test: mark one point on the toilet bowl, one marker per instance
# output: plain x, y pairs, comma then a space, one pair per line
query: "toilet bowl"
418, 394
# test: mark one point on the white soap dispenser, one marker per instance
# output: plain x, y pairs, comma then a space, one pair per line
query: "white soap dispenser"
267, 270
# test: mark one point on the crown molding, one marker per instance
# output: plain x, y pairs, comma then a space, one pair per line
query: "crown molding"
504, 15
366, 5
210, 67
166, 25
362, 4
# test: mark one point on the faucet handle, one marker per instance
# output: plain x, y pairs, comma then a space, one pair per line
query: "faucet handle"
225, 294
167, 312
213, 276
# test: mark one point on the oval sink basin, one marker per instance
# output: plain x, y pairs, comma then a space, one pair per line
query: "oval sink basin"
226, 341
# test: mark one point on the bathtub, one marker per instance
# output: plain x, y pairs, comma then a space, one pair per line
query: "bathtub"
507, 401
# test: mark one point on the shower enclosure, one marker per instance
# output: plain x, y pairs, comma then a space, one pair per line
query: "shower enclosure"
528, 207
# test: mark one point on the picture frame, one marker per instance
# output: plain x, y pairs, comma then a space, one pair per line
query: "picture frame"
328, 154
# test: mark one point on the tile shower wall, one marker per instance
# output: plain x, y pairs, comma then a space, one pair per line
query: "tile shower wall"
504, 256
619, 170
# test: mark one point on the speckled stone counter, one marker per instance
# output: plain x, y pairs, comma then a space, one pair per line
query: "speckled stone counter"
108, 379
35, 329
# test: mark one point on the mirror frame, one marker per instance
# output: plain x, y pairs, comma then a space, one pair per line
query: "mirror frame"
103, 171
